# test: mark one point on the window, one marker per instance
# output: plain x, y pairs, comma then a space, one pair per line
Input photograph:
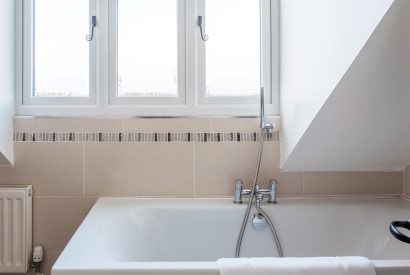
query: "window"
147, 57
147, 67
58, 59
233, 54
147, 48
61, 65
236, 60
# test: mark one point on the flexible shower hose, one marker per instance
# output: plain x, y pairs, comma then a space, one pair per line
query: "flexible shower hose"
260, 211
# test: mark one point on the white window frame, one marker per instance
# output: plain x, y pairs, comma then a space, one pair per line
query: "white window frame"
265, 67
113, 62
28, 65
103, 63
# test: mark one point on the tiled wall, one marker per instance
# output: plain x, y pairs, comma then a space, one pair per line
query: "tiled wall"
68, 176
407, 181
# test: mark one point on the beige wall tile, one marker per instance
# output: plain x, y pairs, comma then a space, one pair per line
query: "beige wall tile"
289, 184
52, 168
353, 183
240, 124
330, 183
392, 182
57, 218
139, 169
22, 124
380, 183
217, 165
407, 181
67, 125
166, 125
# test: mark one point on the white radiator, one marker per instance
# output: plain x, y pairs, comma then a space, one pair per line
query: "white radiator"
15, 228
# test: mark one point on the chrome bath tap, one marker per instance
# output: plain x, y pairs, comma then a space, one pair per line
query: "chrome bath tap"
259, 193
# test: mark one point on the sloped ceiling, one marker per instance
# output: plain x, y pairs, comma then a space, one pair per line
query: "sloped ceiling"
364, 122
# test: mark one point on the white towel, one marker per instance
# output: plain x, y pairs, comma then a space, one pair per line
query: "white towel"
296, 266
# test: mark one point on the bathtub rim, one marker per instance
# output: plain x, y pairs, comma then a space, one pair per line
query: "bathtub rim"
203, 268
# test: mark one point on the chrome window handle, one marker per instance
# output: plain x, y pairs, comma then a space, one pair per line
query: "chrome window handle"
204, 37
90, 37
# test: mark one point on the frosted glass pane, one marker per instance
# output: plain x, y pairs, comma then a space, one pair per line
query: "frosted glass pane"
147, 48
61, 53
233, 48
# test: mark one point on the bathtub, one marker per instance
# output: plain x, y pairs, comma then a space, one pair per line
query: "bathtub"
127, 236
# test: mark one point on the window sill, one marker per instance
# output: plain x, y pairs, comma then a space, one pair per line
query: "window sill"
144, 111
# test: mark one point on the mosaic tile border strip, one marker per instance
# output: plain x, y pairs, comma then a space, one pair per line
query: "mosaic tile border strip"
141, 137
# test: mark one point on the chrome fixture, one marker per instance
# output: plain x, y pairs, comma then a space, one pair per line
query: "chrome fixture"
240, 192
269, 192
258, 222
204, 37
90, 37
260, 219
265, 124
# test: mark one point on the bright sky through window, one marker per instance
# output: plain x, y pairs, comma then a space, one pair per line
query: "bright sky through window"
147, 48
233, 48
61, 59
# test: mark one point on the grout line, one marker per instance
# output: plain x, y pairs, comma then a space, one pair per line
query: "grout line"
194, 169
124, 197
374, 196
84, 169
403, 184
405, 197
63, 196
347, 196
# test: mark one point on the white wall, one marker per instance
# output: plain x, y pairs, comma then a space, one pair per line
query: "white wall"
319, 41
7, 72
365, 123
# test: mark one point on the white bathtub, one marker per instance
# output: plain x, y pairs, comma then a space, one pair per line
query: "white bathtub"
186, 236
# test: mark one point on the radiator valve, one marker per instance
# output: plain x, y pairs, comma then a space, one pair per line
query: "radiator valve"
37, 254
37, 258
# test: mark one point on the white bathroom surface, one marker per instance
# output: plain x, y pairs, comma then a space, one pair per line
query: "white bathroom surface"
187, 236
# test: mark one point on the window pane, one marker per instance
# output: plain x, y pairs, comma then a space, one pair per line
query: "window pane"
61, 53
147, 48
233, 48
